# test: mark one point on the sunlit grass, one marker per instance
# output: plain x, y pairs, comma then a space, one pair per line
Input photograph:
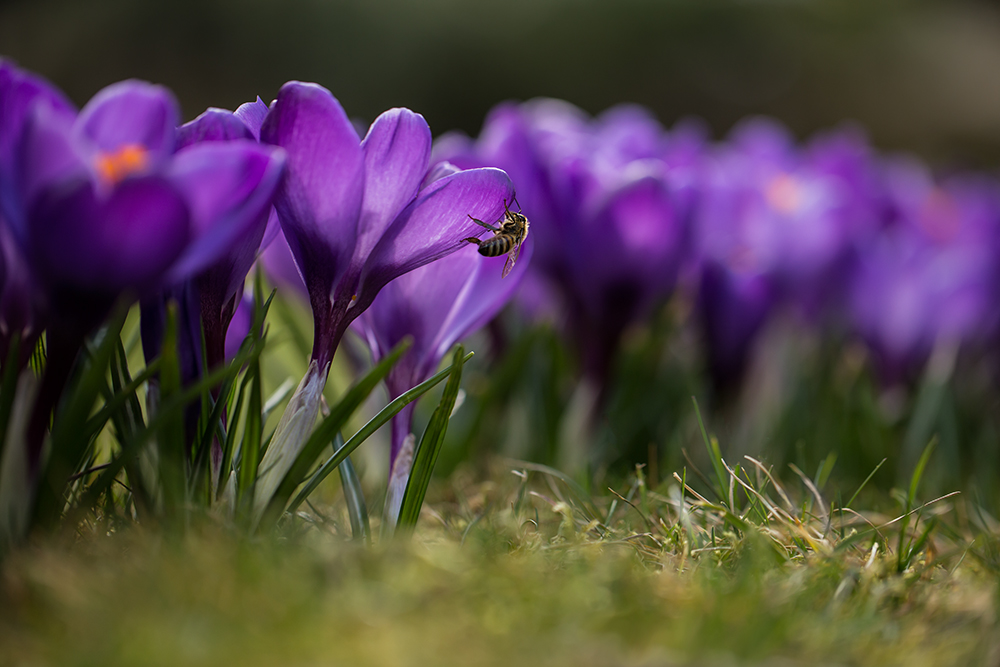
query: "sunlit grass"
524, 569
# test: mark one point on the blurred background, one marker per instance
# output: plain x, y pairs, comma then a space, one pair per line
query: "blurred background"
920, 76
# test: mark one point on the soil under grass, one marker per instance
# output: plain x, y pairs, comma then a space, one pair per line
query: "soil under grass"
516, 572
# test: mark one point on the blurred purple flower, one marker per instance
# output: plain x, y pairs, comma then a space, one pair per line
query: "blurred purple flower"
21, 301
777, 225
610, 198
931, 275
733, 306
796, 214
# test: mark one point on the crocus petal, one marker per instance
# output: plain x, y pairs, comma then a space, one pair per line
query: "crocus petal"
733, 308
48, 158
253, 114
488, 292
435, 224
439, 171
239, 327
212, 125
132, 113
396, 149
280, 267
630, 250
80, 242
320, 201
19, 93
417, 305
21, 301
229, 187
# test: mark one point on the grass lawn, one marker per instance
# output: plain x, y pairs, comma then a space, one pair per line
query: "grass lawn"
523, 569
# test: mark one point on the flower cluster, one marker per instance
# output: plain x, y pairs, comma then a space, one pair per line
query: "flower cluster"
120, 202
829, 232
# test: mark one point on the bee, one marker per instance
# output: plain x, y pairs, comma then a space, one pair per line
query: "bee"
507, 238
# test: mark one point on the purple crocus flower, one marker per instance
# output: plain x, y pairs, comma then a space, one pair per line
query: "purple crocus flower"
777, 225
240, 222
106, 207
609, 204
437, 305
355, 216
795, 213
930, 276
22, 307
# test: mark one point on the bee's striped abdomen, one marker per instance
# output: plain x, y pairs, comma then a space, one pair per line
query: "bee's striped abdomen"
496, 246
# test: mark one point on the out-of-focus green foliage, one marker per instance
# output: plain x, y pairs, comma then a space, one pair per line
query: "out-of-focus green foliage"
918, 74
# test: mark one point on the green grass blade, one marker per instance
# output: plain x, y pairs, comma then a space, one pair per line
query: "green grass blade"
714, 454
579, 497
864, 483
428, 449
902, 552
824, 470
918, 472
211, 428
172, 449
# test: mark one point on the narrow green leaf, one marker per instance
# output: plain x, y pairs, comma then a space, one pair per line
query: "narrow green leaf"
121, 398
230, 454
172, 449
325, 433
918, 544
211, 428
824, 470
69, 443
428, 448
169, 409
250, 449
376, 422
8, 386
902, 556
354, 496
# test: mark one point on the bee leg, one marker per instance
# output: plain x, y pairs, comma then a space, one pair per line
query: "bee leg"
473, 239
484, 224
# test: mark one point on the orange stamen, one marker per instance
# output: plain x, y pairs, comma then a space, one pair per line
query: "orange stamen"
127, 160
784, 194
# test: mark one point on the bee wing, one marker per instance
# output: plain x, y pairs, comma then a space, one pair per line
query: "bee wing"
511, 258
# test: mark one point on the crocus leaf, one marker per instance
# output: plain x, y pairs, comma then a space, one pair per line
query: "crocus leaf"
169, 409
376, 422
271, 503
67, 445
428, 449
357, 510
8, 387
